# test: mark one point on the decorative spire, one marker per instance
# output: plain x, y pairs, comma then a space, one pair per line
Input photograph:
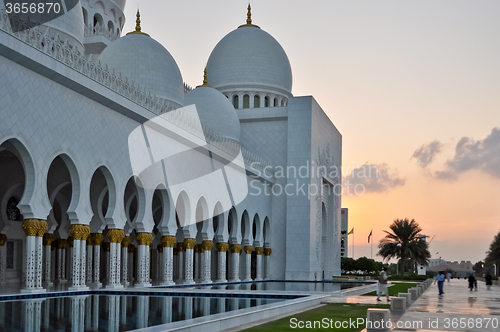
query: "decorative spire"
205, 83
249, 15
249, 19
138, 25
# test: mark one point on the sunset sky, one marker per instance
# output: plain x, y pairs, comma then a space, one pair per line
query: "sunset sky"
413, 86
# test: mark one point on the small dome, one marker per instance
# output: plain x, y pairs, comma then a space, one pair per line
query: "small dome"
215, 111
147, 63
69, 27
249, 57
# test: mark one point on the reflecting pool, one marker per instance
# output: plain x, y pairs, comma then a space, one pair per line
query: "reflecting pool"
295, 286
112, 312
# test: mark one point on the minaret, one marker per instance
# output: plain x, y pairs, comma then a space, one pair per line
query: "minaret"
103, 24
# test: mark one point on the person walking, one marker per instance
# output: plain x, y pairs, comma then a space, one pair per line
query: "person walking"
440, 281
448, 276
488, 280
472, 281
382, 285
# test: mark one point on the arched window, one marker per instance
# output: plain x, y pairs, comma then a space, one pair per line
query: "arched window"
266, 102
246, 101
13, 212
111, 26
98, 19
283, 102
236, 101
117, 31
85, 16
275, 102
256, 101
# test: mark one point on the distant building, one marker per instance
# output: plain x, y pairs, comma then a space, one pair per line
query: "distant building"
344, 224
461, 270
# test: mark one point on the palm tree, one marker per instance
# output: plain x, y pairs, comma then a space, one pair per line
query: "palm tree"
403, 242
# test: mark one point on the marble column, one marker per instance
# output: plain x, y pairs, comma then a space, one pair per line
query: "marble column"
69, 261
159, 263
235, 262
61, 260
267, 263
124, 265
180, 263
221, 261
143, 259
32, 278
90, 260
47, 254
166, 308
131, 262
167, 260
248, 263
115, 237
206, 261
258, 269
197, 263
3, 259
107, 248
189, 256
96, 241
175, 272
79, 233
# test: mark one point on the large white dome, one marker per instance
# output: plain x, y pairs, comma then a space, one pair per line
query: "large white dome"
146, 62
215, 111
249, 57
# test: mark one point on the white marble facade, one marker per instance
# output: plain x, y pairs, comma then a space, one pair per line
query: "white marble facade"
74, 209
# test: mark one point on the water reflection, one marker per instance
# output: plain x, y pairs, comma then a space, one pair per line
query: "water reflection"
287, 286
111, 312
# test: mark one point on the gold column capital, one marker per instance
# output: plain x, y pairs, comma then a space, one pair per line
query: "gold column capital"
144, 239
207, 245
126, 242
79, 232
107, 246
176, 251
259, 250
3, 239
62, 243
180, 247
168, 241
267, 251
70, 241
197, 248
159, 247
131, 248
35, 227
248, 249
48, 239
189, 243
222, 246
97, 238
115, 235
235, 248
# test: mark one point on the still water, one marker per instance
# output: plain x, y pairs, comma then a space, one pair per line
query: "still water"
111, 312
295, 286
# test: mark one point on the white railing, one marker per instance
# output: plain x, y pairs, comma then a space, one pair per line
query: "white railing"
99, 30
41, 39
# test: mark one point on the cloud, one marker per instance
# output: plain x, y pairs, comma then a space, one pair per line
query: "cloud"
427, 152
374, 178
482, 155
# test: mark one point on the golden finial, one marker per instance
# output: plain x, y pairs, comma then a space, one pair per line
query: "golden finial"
249, 15
249, 19
205, 83
138, 25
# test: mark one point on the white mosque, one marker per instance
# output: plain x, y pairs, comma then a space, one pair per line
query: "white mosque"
115, 173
